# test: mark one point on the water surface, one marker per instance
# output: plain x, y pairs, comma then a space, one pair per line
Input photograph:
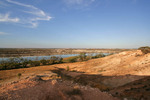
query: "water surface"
48, 57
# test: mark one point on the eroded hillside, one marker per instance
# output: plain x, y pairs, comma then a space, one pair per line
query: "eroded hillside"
117, 75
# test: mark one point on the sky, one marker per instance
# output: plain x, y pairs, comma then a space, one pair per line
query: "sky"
74, 23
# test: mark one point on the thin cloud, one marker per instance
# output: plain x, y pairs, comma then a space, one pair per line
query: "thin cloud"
79, 2
32, 14
6, 18
3, 33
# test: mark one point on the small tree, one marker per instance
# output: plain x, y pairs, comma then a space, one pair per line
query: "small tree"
43, 61
145, 50
99, 55
24, 63
73, 59
68, 68
53, 60
19, 75
82, 56
60, 60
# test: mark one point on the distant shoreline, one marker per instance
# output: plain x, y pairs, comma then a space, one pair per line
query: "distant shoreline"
20, 52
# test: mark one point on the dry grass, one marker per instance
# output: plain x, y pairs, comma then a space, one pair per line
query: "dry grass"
9, 75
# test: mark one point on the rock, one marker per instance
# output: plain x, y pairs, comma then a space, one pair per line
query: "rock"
54, 82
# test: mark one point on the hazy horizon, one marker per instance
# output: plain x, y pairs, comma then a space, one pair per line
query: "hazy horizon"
74, 23
68, 48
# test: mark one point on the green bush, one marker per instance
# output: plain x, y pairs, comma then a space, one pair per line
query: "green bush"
60, 60
54, 60
99, 55
4, 65
68, 68
43, 62
145, 50
73, 59
19, 75
1, 67
82, 56
34, 63
14, 63
24, 63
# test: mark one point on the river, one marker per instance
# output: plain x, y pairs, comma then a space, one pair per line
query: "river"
48, 57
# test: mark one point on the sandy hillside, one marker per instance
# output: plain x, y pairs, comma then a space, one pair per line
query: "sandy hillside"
109, 74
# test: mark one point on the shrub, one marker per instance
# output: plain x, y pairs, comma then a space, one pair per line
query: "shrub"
4, 65
1, 67
68, 68
71, 59
145, 50
89, 56
49, 62
82, 56
24, 63
43, 62
60, 60
14, 63
34, 63
19, 75
99, 55
54, 60
74, 59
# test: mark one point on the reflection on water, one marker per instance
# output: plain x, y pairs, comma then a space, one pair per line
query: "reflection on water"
48, 57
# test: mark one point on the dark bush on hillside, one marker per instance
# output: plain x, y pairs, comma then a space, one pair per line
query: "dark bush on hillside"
34, 63
19, 75
43, 62
60, 60
74, 59
55, 60
145, 50
4, 65
14, 63
98, 55
24, 63
82, 56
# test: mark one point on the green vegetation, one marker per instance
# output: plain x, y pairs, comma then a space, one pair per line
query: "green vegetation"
19, 75
73, 59
82, 56
43, 61
145, 50
14, 63
68, 68
17, 62
98, 55
70, 59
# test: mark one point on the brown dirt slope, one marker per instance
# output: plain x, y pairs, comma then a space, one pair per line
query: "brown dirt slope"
51, 90
112, 73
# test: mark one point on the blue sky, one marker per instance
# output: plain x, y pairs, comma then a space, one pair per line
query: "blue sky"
74, 23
